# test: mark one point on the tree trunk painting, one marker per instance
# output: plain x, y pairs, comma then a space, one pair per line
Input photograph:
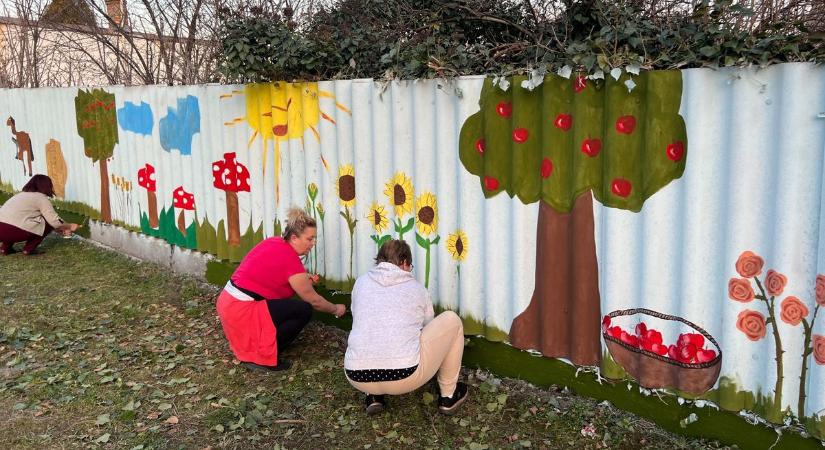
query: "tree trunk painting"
566, 143
563, 317
105, 204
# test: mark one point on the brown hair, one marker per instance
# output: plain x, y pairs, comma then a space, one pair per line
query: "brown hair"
40, 183
297, 220
394, 251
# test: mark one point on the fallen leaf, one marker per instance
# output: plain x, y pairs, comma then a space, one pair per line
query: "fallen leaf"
172, 420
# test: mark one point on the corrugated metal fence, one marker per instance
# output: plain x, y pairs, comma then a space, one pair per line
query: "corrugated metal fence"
753, 182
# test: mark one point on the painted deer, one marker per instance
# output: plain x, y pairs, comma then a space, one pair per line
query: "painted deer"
24, 145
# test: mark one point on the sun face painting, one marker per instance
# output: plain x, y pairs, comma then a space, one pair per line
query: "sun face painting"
282, 111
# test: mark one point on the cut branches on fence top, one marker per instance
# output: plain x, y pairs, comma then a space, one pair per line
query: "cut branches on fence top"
402, 39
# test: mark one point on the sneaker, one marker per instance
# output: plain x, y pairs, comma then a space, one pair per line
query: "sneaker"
449, 405
283, 364
374, 404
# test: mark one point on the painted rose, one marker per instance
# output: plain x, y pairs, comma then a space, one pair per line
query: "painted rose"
749, 264
793, 311
775, 282
820, 290
752, 323
740, 289
819, 349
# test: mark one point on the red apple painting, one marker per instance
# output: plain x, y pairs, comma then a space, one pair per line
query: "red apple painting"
626, 124
591, 147
563, 122
504, 109
520, 135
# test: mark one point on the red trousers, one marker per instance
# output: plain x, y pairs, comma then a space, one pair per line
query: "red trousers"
9, 234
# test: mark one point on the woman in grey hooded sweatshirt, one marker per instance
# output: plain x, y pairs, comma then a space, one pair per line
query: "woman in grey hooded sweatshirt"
396, 345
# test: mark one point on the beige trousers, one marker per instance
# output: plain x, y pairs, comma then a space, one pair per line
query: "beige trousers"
442, 346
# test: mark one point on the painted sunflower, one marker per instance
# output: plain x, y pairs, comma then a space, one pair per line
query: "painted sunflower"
457, 245
399, 190
378, 218
426, 213
346, 185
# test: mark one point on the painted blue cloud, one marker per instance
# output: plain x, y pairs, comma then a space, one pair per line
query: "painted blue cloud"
180, 124
136, 118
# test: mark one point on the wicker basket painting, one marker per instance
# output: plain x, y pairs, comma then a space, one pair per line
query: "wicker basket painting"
655, 371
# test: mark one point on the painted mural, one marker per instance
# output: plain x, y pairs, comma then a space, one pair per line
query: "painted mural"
663, 226
565, 144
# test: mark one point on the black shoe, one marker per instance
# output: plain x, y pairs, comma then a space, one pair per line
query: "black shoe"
449, 405
374, 404
283, 364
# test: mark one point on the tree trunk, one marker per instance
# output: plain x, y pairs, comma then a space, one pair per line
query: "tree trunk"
105, 207
182, 223
563, 318
153, 209
232, 222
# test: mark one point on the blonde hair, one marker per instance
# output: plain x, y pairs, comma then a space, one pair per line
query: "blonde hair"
297, 220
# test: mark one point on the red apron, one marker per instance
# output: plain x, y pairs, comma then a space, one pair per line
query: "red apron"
249, 329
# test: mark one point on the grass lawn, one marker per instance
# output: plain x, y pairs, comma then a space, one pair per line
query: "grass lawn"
101, 351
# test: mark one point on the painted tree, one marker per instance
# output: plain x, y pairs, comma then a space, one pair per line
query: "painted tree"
231, 177
562, 144
97, 125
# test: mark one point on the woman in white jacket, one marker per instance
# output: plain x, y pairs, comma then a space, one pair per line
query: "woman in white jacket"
396, 345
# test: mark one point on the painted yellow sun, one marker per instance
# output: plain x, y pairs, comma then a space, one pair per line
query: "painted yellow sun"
399, 190
378, 217
281, 111
426, 212
346, 185
457, 245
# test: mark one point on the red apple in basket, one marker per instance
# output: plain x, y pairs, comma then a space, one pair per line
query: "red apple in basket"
659, 349
653, 336
705, 355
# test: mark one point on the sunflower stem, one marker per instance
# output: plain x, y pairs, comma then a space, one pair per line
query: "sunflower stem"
427, 268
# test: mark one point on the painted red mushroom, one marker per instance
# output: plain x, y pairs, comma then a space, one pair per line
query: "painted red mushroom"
231, 177
146, 180
184, 201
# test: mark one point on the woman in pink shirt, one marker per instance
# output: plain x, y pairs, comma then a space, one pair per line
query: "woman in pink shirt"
257, 313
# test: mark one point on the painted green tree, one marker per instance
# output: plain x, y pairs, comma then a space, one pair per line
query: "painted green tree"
562, 144
97, 125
